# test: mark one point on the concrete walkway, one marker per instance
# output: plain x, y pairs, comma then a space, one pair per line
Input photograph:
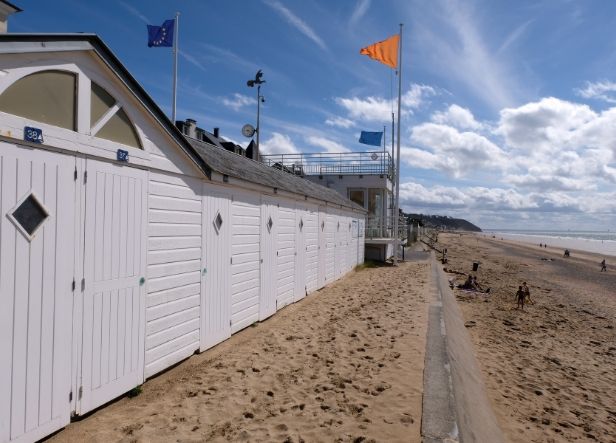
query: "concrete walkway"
455, 403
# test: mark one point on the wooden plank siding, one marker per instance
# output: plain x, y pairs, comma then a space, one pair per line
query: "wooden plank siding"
245, 257
173, 271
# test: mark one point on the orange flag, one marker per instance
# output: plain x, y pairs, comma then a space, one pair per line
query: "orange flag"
385, 52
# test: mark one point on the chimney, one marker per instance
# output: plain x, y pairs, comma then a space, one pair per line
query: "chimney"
191, 128
6, 9
216, 132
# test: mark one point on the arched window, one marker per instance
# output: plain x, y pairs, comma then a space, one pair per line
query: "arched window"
47, 97
109, 121
51, 97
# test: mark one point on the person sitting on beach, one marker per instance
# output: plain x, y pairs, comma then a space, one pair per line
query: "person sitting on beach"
566, 254
468, 283
520, 298
603, 266
527, 293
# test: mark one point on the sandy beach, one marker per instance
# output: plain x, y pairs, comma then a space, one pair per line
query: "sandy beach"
345, 364
550, 369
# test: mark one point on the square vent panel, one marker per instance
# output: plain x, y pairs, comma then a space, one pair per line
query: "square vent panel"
29, 215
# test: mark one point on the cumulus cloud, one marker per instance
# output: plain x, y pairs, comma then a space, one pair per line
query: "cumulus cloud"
278, 144
328, 145
458, 117
379, 109
451, 151
340, 122
238, 101
548, 125
602, 90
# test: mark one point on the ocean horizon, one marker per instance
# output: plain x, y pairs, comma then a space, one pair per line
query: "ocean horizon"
600, 242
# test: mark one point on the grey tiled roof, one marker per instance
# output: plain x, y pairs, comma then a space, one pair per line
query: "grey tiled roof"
238, 166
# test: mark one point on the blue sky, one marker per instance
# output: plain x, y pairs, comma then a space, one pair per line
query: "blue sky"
509, 108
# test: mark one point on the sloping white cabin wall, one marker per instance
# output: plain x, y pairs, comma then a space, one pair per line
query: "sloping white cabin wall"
35, 295
174, 270
245, 258
285, 253
311, 243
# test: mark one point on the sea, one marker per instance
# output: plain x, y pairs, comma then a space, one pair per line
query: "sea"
600, 242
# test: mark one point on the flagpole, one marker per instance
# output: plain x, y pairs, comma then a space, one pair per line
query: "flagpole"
397, 208
175, 63
383, 162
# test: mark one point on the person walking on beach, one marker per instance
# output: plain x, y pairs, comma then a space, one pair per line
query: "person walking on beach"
527, 293
520, 298
603, 266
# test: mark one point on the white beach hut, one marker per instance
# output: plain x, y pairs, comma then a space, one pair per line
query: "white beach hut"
125, 244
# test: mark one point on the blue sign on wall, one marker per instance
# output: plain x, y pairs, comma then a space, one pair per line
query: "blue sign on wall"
122, 155
34, 135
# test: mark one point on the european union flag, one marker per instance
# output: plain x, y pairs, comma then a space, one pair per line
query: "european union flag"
371, 138
161, 35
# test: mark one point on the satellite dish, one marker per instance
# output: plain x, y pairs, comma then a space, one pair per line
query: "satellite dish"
248, 130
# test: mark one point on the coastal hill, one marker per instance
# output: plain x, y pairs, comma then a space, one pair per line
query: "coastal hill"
442, 222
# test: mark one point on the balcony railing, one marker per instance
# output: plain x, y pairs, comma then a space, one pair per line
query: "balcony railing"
343, 163
383, 227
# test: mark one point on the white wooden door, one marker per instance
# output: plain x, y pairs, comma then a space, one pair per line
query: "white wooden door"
311, 242
330, 246
269, 228
37, 205
216, 292
321, 255
300, 252
339, 255
285, 254
114, 282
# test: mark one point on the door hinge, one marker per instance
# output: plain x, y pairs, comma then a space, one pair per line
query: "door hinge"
231, 260
80, 392
75, 174
73, 286
229, 323
70, 396
85, 177
83, 284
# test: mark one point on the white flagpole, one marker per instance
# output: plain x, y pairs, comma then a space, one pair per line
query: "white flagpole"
397, 208
175, 63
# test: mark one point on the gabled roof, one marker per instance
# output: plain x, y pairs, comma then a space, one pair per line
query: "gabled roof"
24, 43
234, 165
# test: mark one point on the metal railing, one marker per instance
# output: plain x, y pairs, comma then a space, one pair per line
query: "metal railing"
383, 227
342, 163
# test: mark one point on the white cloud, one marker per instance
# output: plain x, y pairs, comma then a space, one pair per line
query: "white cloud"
548, 125
415, 96
340, 122
602, 90
371, 109
458, 117
456, 153
278, 144
360, 10
296, 22
328, 145
238, 101
378, 109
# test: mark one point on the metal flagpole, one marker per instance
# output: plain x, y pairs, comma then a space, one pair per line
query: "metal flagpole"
383, 161
397, 209
175, 63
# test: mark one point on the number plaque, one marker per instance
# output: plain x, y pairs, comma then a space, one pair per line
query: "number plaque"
34, 135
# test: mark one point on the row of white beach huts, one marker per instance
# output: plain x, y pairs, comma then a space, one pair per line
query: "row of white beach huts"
126, 246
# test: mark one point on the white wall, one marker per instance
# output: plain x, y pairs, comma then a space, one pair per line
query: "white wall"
173, 270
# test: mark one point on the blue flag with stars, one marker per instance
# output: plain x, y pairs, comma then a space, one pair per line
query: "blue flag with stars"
371, 138
161, 35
